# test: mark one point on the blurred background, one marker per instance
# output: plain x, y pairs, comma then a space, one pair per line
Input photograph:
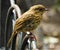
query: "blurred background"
47, 33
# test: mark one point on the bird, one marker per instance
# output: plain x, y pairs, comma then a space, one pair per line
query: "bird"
28, 21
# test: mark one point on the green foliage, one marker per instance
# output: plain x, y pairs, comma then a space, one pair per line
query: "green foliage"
58, 2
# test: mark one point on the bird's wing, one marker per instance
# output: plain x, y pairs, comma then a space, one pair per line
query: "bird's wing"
24, 19
21, 22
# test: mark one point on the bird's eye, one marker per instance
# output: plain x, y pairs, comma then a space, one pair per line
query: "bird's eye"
41, 9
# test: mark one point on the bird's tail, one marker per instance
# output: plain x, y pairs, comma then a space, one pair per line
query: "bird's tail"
10, 40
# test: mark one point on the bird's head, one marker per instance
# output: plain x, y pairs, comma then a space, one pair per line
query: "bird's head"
38, 9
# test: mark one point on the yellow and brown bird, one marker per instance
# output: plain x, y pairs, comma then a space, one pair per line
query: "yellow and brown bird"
28, 21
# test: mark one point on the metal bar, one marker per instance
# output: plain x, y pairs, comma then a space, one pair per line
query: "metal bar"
12, 2
17, 9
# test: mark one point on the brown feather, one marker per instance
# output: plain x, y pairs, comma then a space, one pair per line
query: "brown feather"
28, 21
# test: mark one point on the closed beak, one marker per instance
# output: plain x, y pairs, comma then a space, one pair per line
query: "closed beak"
46, 9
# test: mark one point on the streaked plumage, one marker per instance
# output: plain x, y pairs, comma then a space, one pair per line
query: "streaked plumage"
28, 21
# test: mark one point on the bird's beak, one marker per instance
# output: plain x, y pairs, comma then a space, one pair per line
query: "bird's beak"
46, 9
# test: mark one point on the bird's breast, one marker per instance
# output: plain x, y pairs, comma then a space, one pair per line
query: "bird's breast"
33, 24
